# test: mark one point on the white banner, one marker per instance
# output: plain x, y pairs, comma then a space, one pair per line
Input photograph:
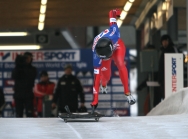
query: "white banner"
173, 73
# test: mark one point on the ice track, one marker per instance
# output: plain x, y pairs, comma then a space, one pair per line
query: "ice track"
165, 126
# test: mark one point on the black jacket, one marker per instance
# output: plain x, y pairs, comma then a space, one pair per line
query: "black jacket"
67, 91
169, 49
2, 97
24, 78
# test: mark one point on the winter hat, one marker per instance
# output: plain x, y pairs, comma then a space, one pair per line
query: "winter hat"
43, 73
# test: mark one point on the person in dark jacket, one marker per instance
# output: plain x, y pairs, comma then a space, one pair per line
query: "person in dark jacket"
67, 91
24, 75
2, 101
167, 47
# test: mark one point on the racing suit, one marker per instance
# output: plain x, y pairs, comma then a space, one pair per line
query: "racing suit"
102, 68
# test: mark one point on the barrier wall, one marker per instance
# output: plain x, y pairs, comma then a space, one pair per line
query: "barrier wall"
54, 61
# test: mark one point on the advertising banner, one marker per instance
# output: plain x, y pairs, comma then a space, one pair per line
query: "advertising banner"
173, 73
54, 61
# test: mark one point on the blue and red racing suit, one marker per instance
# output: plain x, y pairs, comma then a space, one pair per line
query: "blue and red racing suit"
102, 68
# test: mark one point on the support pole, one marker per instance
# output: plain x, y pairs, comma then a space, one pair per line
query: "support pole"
187, 34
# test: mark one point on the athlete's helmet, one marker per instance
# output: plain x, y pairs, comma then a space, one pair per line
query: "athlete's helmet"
104, 48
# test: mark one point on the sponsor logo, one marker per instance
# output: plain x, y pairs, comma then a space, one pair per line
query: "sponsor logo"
40, 56
104, 69
87, 89
7, 74
60, 74
8, 106
174, 76
8, 98
4, 55
86, 81
9, 82
102, 56
96, 71
88, 74
117, 89
95, 42
52, 74
53, 80
105, 97
120, 105
8, 90
80, 74
116, 81
81, 65
114, 30
112, 20
121, 112
105, 105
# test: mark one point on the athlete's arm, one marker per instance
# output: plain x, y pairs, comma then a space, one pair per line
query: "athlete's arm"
112, 16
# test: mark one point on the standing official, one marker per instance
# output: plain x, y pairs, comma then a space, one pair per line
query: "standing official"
24, 75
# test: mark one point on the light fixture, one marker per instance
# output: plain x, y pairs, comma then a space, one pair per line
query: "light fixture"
43, 2
41, 17
42, 9
151, 24
20, 47
123, 15
124, 12
119, 23
13, 33
127, 6
42, 14
41, 26
164, 6
186, 59
155, 16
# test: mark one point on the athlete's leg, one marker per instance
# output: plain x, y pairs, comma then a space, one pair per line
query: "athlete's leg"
118, 57
105, 71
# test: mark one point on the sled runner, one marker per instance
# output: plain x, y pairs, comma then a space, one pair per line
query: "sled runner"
75, 116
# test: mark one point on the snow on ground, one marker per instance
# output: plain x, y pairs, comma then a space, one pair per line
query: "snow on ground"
175, 104
171, 124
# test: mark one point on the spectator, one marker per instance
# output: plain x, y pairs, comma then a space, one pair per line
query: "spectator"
24, 75
67, 91
42, 89
167, 47
2, 101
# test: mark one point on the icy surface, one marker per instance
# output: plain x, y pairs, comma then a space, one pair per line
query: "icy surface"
148, 127
171, 124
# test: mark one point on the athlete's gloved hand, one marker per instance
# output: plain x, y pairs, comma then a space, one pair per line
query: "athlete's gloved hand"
118, 12
114, 13
112, 16
130, 99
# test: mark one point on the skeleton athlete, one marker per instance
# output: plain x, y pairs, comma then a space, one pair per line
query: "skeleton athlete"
108, 46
